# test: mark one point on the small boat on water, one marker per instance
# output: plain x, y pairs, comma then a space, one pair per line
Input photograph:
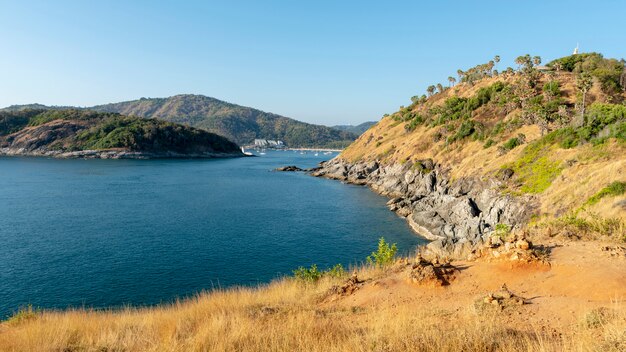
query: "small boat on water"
245, 152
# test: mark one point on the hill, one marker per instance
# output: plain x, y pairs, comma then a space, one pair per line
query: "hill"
237, 123
83, 133
502, 149
358, 129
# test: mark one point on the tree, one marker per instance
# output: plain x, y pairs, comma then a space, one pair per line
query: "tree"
415, 99
537, 60
452, 80
584, 84
524, 63
460, 73
496, 59
430, 90
622, 79
490, 66
440, 87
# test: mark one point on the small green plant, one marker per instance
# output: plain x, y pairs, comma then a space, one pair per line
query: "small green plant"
490, 142
336, 271
502, 230
23, 314
313, 274
616, 188
514, 142
310, 275
385, 254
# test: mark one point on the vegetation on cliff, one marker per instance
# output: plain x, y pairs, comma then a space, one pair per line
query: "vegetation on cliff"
78, 130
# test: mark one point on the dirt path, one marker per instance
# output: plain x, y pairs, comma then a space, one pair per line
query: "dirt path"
580, 277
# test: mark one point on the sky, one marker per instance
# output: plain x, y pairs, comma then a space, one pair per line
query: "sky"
325, 62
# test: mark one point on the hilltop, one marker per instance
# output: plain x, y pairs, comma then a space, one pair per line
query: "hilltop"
83, 133
358, 129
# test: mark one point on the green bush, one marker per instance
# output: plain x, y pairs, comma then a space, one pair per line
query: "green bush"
502, 230
552, 88
23, 314
313, 274
309, 275
616, 188
385, 254
512, 143
490, 142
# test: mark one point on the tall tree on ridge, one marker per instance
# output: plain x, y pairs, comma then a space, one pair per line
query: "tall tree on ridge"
452, 80
584, 84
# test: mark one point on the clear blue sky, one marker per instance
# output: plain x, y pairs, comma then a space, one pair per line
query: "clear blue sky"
326, 62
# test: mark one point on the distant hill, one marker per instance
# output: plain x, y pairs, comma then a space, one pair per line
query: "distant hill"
358, 129
84, 133
237, 123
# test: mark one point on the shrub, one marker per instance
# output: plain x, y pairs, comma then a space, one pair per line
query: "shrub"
336, 271
552, 88
23, 314
489, 143
512, 143
502, 230
616, 188
310, 275
313, 274
385, 254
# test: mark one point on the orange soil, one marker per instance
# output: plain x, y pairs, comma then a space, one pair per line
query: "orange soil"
580, 277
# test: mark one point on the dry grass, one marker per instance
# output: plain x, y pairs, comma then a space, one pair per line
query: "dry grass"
288, 316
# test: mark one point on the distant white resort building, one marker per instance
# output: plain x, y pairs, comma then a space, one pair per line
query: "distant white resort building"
268, 143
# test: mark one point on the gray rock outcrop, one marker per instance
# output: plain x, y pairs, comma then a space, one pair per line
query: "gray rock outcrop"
456, 215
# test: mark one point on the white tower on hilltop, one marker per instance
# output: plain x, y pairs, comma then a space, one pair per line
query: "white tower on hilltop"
575, 49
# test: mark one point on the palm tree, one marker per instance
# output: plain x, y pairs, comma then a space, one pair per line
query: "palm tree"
440, 87
496, 59
460, 73
537, 60
430, 90
452, 80
584, 84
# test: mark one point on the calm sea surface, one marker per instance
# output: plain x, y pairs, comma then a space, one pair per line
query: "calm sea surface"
105, 233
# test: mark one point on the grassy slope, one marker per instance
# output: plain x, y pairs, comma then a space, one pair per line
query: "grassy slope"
387, 314
585, 170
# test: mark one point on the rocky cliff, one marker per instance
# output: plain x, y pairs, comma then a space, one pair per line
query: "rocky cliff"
456, 215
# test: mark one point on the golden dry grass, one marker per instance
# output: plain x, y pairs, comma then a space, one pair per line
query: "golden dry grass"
288, 316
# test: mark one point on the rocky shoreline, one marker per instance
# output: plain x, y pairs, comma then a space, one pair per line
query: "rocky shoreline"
457, 216
112, 154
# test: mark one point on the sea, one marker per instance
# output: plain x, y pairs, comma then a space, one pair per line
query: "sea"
104, 234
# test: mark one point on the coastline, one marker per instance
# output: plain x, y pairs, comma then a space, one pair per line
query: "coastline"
113, 154
456, 216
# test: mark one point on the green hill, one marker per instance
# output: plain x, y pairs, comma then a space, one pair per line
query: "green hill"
237, 123
358, 129
70, 133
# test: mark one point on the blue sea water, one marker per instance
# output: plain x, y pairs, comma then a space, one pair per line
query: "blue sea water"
107, 233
